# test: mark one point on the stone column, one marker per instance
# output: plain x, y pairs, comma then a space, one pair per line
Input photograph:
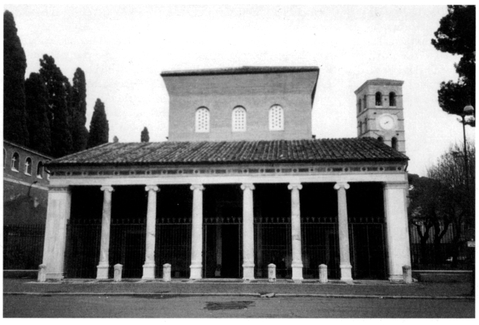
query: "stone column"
397, 235
102, 268
197, 232
149, 266
248, 232
58, 212
297, 263
345, 261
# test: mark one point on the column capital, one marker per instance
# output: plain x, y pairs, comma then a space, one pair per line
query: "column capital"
297, 186
152, 188
108, 188
247, 186
199, 187
395, 185
338, 185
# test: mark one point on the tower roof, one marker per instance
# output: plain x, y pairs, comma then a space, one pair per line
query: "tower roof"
379, 82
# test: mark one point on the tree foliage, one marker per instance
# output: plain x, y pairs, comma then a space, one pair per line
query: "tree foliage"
78, 104
14, 66
59, 112
99, 126
444, 199
37, 117
145, 136
457, 35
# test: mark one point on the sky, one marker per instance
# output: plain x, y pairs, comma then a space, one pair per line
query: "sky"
123, 49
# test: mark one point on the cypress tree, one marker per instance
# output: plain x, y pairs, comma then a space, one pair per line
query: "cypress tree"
145, 136
79, 131
59, 113
37, 118
98, 126
14, 66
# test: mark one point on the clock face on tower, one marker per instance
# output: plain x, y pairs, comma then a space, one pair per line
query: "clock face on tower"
386, 122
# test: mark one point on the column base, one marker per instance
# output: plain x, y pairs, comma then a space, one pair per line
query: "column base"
346, 273
297, 271
148, 272
248, 271
54, 276
102, 272
395, 278
195, 272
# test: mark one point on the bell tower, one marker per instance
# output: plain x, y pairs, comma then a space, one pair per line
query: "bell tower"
380, 115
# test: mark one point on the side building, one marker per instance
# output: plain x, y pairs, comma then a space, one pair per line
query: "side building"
240, 184
25, 197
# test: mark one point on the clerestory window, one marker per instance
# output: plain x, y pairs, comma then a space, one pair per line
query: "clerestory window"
276, 118
202, 120
239, 119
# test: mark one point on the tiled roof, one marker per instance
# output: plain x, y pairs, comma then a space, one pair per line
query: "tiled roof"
234, 152
240, 70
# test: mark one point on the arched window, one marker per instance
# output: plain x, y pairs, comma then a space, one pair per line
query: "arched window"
40, 170
365, 125
392, 99
380, 139
379, 99
359, 105
202, 120
28, 166
394, 143
365, 102
15, 162
276, 118
360, 126
239, 119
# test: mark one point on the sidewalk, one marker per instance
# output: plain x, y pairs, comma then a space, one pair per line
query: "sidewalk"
359, 289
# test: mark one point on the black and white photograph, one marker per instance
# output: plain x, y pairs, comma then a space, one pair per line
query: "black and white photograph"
266, 160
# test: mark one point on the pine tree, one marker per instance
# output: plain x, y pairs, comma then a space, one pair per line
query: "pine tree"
457, 35
59, 113
37, 118
98, 126
78, 97
14, 66
145, 136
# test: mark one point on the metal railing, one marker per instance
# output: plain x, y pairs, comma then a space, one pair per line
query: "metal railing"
23, 246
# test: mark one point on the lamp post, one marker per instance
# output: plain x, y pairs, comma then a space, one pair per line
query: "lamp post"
467, 112
471, 243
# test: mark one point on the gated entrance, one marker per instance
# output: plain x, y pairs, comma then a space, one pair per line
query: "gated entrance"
223, 247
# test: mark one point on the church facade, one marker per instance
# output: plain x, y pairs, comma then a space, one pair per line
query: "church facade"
240, 184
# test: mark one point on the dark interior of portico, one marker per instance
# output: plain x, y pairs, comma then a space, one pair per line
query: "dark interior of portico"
223, 233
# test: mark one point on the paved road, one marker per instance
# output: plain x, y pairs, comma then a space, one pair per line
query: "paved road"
232, 307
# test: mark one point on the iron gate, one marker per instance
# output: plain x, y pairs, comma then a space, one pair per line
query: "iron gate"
173, 246
83, 248
223, 247
320, 241
273, 245
127, 246
367, 247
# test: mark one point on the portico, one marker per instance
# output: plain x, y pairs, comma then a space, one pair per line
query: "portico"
285, 178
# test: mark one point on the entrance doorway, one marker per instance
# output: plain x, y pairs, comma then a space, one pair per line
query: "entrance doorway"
222, 258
